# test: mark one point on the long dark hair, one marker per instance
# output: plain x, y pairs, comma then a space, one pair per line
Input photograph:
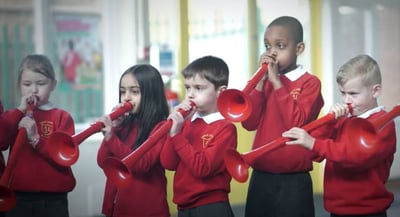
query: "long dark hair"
153, 102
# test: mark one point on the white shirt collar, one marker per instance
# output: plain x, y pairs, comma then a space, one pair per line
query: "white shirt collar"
45, 107
371, 112
210, 118
295, 73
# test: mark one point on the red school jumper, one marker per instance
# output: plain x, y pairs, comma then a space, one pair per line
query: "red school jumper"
35, 171
146, 195
354, 181
4, 138
196, 155
296, 103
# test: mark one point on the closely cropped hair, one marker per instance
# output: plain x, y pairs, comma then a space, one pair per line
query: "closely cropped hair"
37, 63
292, 24
153, 102
362, 66
212, 68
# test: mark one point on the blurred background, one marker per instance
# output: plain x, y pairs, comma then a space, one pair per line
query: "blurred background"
91, 42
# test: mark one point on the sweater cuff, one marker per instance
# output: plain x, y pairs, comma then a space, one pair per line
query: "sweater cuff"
317, 146
178, 142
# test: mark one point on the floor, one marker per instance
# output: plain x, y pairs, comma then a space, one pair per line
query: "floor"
393, 211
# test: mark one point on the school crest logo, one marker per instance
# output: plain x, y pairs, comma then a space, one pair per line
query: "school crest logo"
46, 128
295, 93
206, 139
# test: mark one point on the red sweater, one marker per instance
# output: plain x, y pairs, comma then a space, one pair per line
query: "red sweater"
146, 196
3, 128
35, 170
354, 181
297, 103
196, 155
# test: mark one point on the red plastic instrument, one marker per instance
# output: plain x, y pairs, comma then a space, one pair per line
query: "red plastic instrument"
64, 149
364, 132
234, 104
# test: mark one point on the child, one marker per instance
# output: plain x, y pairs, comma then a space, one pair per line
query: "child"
195, 146
354, 184
288, 96
142, 86
40, 185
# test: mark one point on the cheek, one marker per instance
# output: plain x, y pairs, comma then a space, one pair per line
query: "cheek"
136, 100
25, 90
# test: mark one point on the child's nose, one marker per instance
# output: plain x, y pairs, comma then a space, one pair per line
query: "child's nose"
34, 88
126, 96
347, 99
190, 94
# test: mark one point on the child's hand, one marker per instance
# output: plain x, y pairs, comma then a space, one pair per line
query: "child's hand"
177, 118
25, 100
108, 125
340, 110
273, 70
186, 105
31, 130
299, 136
118, 121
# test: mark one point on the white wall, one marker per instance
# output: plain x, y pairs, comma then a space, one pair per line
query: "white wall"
87, 197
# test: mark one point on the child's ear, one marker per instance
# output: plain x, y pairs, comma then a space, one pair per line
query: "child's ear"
53, 85
221, 89
376, 90
299, 48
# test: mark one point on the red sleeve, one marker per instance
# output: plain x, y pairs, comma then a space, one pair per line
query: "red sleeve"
168, 157
257, 99
118, 148
208, 161
102, 154
9, 124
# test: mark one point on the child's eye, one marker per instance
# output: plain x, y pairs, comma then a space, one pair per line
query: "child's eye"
281, 46
134, 90
267, 46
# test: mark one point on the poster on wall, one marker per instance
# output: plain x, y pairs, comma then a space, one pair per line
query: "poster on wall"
78, 51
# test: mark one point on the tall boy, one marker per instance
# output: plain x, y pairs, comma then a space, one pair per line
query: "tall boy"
354, 180
287, 96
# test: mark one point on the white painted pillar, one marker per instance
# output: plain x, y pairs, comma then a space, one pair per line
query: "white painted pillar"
119, 50
41, 33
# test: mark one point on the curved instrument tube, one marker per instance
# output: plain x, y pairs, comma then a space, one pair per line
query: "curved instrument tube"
234, 104
63, 148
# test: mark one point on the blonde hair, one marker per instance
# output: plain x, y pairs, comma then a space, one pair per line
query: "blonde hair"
362, 66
